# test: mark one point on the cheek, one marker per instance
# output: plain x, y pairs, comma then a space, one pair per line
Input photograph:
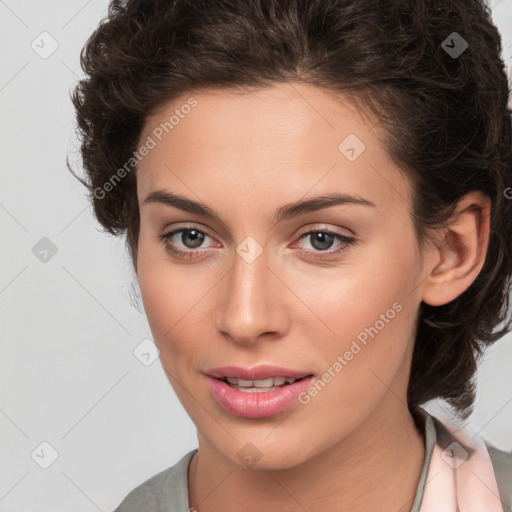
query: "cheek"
357, 365
344, 301
364, 311
174, 299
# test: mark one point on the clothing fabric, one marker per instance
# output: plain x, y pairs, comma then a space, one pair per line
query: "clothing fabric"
461, 475
461, 472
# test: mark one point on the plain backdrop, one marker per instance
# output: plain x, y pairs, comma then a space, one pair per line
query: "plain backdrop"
74, 396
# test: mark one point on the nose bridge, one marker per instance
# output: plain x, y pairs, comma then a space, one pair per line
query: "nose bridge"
248, 309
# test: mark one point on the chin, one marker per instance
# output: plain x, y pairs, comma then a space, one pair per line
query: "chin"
264, 455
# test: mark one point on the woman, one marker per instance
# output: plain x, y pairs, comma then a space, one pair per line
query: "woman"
314, 196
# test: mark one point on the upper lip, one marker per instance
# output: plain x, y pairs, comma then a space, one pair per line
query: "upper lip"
255, 373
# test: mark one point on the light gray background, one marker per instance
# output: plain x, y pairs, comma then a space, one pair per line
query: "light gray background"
68, 373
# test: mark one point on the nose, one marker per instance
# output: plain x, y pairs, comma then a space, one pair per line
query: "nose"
251, 302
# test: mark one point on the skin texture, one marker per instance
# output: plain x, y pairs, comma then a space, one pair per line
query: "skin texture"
355, 446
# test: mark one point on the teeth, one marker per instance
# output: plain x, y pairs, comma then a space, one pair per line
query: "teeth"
266, 383
263, 383
255, 390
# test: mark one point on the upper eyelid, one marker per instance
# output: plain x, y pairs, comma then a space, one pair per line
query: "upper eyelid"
185, 228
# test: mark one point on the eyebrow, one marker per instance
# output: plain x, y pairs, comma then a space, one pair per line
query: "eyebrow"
284, 212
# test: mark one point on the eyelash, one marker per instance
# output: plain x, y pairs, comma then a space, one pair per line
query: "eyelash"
317, 254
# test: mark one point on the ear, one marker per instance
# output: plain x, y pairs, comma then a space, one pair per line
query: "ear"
460, 255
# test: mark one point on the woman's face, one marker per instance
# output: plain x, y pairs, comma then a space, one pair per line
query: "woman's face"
250, 287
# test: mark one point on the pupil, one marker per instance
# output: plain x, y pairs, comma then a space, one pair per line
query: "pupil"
197, 238
322, 237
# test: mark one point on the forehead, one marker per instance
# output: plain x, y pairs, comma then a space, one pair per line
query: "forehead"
284, 139
280, 114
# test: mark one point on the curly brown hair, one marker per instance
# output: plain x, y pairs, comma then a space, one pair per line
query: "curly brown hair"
445, 119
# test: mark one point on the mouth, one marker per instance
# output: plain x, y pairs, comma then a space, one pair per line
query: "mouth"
260, 385
257, 392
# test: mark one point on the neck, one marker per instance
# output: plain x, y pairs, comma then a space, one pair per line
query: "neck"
376, 467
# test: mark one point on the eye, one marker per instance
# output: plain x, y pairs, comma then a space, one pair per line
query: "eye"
191, 238
323, 239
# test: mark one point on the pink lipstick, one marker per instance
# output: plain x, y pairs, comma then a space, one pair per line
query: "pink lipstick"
257, 392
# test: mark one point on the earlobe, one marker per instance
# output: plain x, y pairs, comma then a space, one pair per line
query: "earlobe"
460, 255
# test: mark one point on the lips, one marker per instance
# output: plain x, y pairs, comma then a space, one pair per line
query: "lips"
261, 372
256, 403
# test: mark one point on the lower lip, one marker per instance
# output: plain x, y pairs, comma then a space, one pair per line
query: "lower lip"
256, 405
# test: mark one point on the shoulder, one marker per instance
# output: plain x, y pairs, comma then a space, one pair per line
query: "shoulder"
502, 464
164, 492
